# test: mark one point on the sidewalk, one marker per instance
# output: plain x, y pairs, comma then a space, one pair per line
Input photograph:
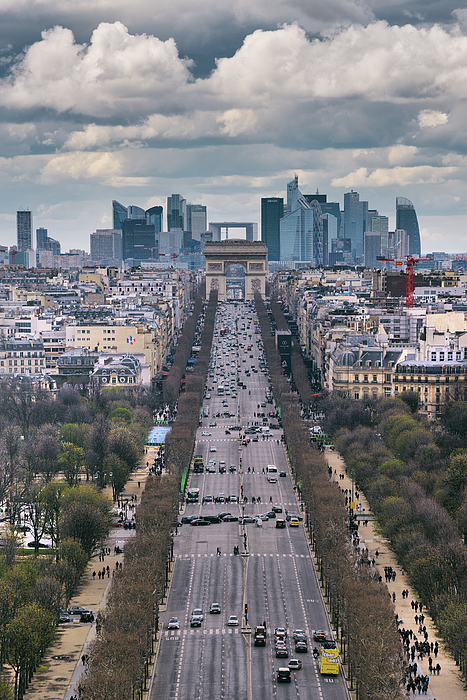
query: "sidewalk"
62, 667
448, 685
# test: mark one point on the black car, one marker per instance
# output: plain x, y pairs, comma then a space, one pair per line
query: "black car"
280, 523
188, 518
301, 647
195, 621
292, 515
230, 519
222, 470
283, 473
223, 514
86, 617
277, 509
211, 518
200, 521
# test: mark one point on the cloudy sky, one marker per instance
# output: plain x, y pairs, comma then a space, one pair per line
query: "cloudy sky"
223, 100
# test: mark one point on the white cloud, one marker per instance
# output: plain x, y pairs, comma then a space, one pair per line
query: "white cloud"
417, 175
117, 73
431, 117
81, 166
401, 155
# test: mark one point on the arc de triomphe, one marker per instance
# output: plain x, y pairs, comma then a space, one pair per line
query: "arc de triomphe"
251, 255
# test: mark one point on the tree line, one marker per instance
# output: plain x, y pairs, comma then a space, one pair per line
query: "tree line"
56, 455
413, 474
359, 604
117, 667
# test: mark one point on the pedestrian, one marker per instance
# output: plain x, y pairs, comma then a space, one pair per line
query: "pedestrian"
99, 574
108, 572
218, 551
437, 669
93, 575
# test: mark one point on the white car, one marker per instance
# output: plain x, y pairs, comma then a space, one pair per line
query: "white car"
205, 433
213, 448
232, 621
173, 624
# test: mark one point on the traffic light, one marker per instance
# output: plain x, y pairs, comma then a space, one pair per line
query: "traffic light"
246, 609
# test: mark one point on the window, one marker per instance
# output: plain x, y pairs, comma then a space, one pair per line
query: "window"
375, 378
338, 377
387, 378
365, 378
375, 394
449, 356
356, 378
441, 356
365, 395
356, 395
433, 357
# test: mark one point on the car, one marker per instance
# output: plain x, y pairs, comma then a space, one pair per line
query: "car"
213, 448
208, 396
211, 468
294, 522
205, 433
271, 514
207, 499
232, 468
39, 545
282, 473
262, 516
222, 469
215, 609
248, 519
77, 610
63, 618
86, 616
282, 652
295, 664
173, 624
187, 519
284, 675
223, 514
195, 621
299, 635
293, 515
277, 509
199, 522
197, 612
213, 424
301, 647
260, 640
232, 621
233, 499
319, 636
220, 498
280, 632
230, 518
280, 524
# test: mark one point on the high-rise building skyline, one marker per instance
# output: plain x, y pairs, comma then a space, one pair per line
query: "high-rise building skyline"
406, 218
24, 229
272, 211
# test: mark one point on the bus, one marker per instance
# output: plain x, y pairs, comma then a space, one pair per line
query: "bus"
328, 659
220, 390
192, 495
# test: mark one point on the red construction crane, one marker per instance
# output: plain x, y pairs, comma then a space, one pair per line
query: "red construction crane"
410, 261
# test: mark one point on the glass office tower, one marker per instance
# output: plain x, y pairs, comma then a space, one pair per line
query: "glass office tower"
406, 218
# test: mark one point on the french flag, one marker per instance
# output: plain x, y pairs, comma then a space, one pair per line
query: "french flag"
130, 340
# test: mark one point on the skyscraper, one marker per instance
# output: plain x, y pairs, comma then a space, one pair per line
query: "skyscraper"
372, 248
301, 229
24, 229
120, 213
106, 246
406, 218
355, 222
272, 211
196, 220
139, 240
154, 217
176, 212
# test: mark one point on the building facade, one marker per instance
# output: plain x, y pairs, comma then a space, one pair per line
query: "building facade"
406, 218
24, 230
272, 211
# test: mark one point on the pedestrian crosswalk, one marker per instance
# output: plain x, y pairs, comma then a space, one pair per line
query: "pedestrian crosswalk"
251, 554
173, 635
